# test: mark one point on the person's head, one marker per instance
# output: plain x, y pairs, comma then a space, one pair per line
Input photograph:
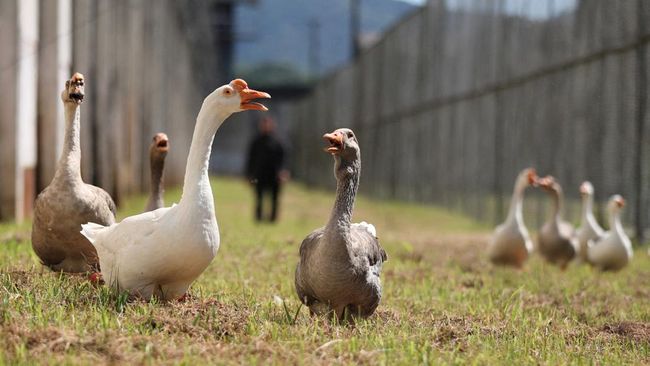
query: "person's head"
266, 126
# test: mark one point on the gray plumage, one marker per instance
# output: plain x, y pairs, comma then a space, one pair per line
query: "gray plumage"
557, 240
157, 153
68, 202
340, 264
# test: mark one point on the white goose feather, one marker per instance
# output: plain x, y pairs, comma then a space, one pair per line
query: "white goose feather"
161, 252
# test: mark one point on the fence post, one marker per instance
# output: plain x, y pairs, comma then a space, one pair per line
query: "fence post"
640, 121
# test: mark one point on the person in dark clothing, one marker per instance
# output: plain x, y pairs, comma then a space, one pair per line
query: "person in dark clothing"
265, 167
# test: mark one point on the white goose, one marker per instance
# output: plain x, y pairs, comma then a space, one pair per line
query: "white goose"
161, 252
589, 228
511, 244
613, 250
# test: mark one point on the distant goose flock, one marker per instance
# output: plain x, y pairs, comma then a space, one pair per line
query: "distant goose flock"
557, 241
160, 252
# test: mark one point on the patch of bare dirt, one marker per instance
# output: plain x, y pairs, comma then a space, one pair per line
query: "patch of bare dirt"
18, 278
539, 300
451, 332
53, 340
634, 331
205, 318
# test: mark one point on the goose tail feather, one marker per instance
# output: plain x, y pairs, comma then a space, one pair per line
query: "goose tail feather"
90, 231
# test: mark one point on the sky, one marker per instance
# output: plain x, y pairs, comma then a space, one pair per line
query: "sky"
533, 9
415, 2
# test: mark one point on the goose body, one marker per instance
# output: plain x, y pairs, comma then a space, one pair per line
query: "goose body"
157, 153
613, 250
557, 239
68, 202
510, 243
161, 252
589, 228
340, 264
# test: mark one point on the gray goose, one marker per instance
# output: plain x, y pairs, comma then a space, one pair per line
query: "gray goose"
68, 202
557, 240
340, 264
157, 153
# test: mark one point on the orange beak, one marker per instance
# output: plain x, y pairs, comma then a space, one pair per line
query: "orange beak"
620, 202
248, 95
546, 182
335, 140
532, 178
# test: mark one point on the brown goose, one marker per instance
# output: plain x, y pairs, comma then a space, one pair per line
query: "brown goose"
157, 153
557, 240
510, 243
68, 202
340, 263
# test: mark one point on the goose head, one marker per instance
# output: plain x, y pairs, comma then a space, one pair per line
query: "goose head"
528, 177
74, 90
159, 145
615, 204
586, 189
343, 144
550, 185
344, 147
235, 97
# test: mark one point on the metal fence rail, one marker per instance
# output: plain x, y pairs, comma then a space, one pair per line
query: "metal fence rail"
455, 100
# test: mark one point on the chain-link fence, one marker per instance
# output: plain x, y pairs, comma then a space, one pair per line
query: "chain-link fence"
461, 95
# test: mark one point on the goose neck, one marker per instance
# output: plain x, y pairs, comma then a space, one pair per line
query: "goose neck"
157, 163
587, 208
69, 166
196, 185
556, 206
516, 203
615, 224
347, 173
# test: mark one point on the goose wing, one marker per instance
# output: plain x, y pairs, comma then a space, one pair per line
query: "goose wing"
131, 230
104, 199
365, 244
305, 294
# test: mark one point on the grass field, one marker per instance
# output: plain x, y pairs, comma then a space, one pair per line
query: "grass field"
443, 303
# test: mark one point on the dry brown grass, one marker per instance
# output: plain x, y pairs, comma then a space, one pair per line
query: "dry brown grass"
443, 302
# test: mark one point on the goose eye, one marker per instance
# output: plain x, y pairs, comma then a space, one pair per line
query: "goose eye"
227, 92
350, 135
